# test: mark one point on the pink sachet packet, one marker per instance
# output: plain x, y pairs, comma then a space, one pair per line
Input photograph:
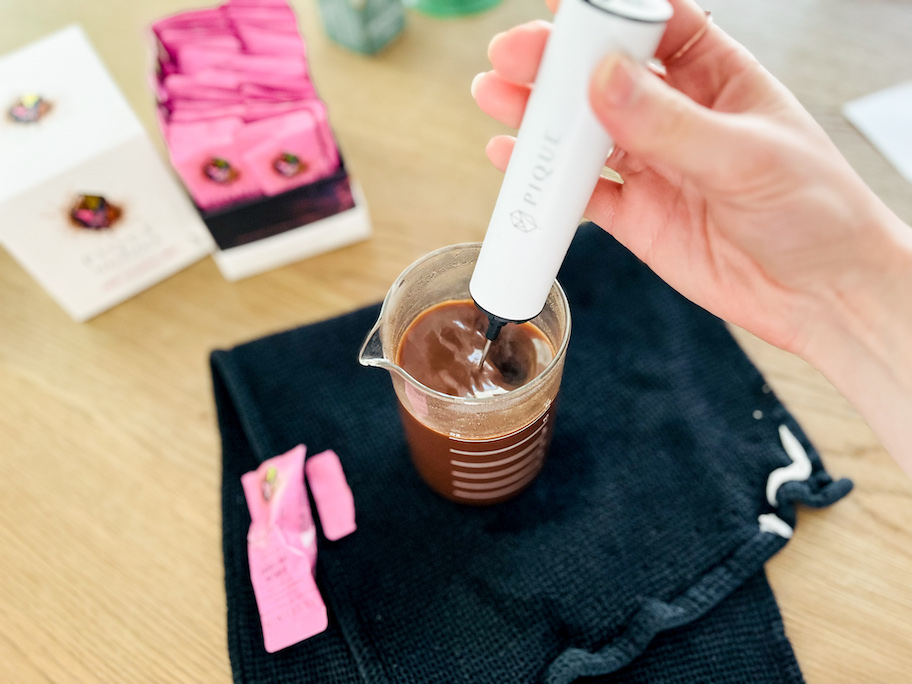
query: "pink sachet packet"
282, 550
280, 15
207, 78
203, 18
222, 39
232, 80
231, 83
291, 89
208, 158
248, 112
287, 151
184, 111
206, 21
193, 58
228, 86
266, 41
186, 87
335, 504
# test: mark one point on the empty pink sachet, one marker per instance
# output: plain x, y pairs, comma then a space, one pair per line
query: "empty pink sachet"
282, 540
282, 551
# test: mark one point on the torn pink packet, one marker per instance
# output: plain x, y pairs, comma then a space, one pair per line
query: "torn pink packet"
282, 550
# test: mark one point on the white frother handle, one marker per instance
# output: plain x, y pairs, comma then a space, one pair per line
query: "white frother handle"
560, 151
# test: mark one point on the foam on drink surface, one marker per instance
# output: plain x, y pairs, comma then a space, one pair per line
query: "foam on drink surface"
442, 349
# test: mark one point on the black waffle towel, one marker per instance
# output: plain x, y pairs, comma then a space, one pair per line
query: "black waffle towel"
637, 554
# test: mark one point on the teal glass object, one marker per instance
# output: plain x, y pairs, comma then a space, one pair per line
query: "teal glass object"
364, 26
450, 8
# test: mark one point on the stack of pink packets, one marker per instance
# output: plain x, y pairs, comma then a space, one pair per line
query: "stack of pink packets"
238, 110
250, 138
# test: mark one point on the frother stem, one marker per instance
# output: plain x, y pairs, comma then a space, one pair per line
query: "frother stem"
484, 353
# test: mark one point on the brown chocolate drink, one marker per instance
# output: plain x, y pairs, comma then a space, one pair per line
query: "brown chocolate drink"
441, 349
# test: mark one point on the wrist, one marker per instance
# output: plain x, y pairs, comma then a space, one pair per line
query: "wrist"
863, 342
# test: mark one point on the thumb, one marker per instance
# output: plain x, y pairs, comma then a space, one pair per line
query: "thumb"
650, 119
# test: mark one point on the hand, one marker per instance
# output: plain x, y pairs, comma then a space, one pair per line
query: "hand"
736, 197
732, 193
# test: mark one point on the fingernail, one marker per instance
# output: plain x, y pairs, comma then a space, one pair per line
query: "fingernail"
615, 81
475, 81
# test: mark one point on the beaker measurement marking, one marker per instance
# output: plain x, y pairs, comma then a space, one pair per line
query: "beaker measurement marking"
503, 461
531, 465
497, 492
497, 473
501, 450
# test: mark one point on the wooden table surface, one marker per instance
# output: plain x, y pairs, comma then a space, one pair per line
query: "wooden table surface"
110, 538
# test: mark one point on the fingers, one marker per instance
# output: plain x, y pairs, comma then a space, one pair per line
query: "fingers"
500, 99
516, 53
604, 203
661, 125
686, 21
515, 56
499, 149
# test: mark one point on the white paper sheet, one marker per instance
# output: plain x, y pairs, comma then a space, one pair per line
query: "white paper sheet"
88, 113
89, 143
885, 119
87, 271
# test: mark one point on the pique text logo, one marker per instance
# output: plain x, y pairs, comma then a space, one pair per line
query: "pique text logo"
542, 168
523, 221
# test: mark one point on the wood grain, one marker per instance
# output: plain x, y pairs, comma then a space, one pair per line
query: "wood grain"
110, 542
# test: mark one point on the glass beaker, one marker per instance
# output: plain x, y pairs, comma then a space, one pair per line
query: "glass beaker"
471, 450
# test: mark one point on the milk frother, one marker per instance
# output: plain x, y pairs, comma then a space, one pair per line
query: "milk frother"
560, 151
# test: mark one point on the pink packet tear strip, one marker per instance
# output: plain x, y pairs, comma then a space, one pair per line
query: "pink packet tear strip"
335, 503
282, 550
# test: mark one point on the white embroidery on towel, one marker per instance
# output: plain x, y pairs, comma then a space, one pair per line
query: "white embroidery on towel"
798, 470
770, 522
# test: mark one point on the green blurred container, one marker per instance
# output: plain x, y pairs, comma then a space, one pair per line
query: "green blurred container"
364, 26
450, 8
